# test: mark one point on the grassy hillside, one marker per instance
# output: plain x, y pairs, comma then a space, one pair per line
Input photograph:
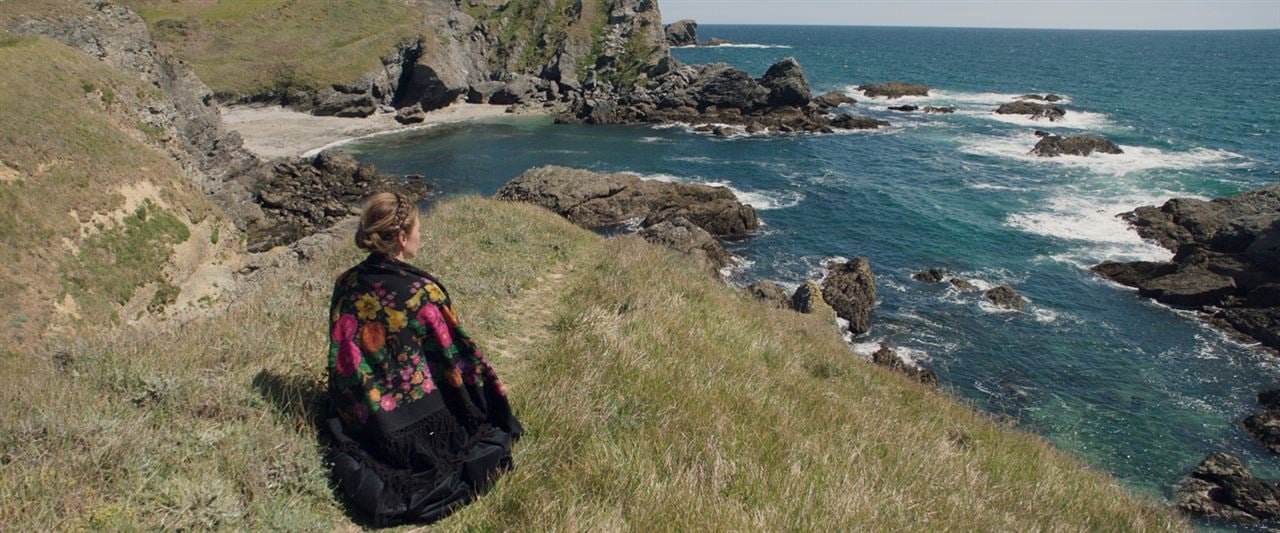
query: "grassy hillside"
97, 226
654, 398
249, 47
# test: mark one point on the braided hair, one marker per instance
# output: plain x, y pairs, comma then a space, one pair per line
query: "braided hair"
385, 216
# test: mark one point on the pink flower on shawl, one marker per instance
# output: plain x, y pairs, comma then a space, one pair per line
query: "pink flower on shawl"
388, 402
348, 358
344, 329
427, 386
430, 314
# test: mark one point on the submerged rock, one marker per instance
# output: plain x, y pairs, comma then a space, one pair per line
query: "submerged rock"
1221, 487
894, 89
853, 122
933, 275
1004, 296
850, 288
886, 357
904, 108
1053, 146
1265, 426
963, 285
833, 99
1034, 110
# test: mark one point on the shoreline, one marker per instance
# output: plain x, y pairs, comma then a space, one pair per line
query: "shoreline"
274, 131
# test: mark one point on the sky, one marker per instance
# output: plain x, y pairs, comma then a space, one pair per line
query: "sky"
1074, 14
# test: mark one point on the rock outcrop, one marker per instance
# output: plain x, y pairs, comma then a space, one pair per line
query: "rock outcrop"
690, 241
682, 33
894, 89
1265, 425
1225, 263
303, 196
833, 99
1046, 98
598, 200
887, 357
1004, 296
1221, 487
716, 95
933, 275
770, 293
850, 288
1032, 109
1053, 146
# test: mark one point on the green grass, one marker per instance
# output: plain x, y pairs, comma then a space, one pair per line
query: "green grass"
654, 399
247, 47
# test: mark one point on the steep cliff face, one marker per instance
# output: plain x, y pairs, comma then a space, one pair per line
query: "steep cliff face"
407, 52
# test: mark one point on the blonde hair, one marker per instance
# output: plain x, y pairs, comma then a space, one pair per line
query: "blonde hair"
385, 216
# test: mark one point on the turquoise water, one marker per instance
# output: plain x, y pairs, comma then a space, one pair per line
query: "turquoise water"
1137, 389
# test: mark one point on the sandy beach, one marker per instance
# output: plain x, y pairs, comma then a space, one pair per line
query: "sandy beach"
277, 131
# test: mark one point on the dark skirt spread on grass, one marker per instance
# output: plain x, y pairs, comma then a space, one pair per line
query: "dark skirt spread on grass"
423, 422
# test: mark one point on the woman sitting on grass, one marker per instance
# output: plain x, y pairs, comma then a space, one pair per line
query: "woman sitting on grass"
423, 423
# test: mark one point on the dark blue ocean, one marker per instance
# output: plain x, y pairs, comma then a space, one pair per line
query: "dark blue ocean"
1134, 388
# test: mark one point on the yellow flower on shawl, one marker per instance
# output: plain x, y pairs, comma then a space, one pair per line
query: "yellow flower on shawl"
367, 307
434, 293
395, 320
374, 395
414, 301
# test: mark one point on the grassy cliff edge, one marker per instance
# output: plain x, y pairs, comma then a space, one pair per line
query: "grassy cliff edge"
655, 398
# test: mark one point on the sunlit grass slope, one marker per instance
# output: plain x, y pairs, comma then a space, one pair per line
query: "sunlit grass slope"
242, 48
655, 399
92, 213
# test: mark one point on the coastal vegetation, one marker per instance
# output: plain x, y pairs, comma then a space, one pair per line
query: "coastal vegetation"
248, 48
90, 213
655, 397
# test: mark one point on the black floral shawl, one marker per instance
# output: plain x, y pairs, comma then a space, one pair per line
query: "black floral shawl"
423, 421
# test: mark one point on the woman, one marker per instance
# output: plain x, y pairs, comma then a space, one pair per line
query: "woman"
423, 423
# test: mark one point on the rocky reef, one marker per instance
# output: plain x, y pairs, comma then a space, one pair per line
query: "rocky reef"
1226, 260
1083, 145
718, 95
1222, 488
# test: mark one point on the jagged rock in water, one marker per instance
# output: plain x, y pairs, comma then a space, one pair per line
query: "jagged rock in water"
1032, 109
691, 241
715, 41
963, 285
833, 99
597, 200
770, 293
853, 122
850, 288
1227, 255
903, 108
787, 84
1004, 296
887, 357
894, 89
682, 33
1221, 487
1046, 98
1053, 146
1188, 287
1265, 426
933, 275
938, 110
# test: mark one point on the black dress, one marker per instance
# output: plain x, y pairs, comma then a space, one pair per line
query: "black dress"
423, 424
